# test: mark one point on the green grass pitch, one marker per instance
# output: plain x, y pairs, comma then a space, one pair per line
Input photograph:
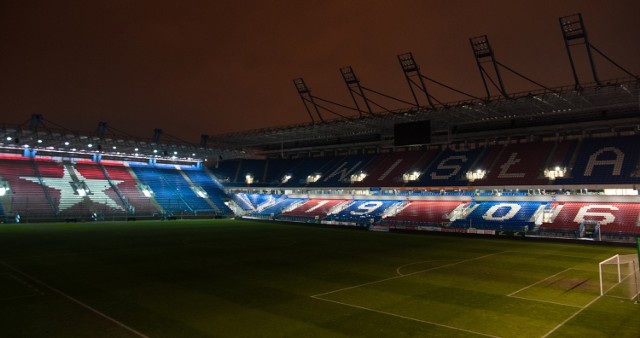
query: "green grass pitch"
228, 278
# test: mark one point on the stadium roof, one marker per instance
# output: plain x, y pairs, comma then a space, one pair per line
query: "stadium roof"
51, 140
611, 104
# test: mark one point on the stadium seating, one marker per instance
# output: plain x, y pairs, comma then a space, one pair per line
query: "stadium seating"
605, 161
171, 189
422, 213
278, 168
516, 164
363, 212
449, 168
503, 215
614, 219
26, 195
140, 205
275, 207
313, 209
215, 191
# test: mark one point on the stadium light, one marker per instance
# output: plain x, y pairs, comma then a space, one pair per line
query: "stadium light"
249, 179
313, 178
136, 149
66, 143
553, 173
39, 141
476, 175
411, 176
286, 178
358, 177
9, 138
4, 188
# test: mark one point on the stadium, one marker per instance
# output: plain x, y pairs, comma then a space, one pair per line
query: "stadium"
502, 215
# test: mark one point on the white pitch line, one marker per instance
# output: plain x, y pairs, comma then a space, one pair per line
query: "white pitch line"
416, 263
409, 274
538, 282
115, 321
404, 317
545, 301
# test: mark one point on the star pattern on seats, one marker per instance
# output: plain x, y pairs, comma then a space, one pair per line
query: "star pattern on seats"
69, 197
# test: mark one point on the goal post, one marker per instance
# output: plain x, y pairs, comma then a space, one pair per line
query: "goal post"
619, 276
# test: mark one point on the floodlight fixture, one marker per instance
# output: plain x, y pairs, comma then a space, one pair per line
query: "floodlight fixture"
66, 143
572, 26
348, 75
286, 178
358, 177
313, 178
248, 178
9, 138
411, 176
90, 145
481, 47
477, 174
407, 62
556, 172
301, 86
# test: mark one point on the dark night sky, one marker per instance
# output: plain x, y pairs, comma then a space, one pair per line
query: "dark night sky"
193, 67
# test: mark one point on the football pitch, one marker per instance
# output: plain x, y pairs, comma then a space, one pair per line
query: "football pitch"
229, 278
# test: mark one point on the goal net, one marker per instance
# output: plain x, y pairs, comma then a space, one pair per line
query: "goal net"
619, 276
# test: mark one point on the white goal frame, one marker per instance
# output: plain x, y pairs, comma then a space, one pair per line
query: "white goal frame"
619, 261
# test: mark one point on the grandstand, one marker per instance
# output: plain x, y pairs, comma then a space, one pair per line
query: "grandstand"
560, 162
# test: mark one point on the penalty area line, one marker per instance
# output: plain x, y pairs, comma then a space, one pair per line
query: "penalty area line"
405, 317
582, 309
97, 312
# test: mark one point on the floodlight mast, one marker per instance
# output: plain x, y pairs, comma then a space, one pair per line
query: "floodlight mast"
102, 128
306, 97
353, 84
411, 69
157, 133
482, 51
204, 139
575, 33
